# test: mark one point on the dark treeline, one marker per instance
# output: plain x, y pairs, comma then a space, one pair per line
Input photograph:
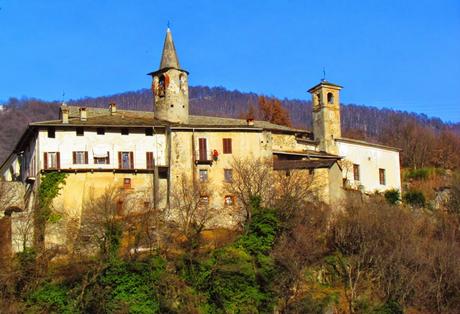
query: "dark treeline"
425, 141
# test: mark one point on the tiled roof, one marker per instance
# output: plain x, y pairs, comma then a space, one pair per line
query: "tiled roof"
303, 164
102, 117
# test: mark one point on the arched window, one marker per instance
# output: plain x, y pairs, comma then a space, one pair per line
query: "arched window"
182, 82
330, 98
161, 86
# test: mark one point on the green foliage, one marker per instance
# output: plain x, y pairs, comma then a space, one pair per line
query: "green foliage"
129, 287
389, 307
236, 278
414, 198
422, 173
50, 185
392, 196
310, 304
50, 298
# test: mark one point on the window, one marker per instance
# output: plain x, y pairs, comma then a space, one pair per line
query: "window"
150, 161
356, 172
228, 175
382, 178
227, 145
124, 131
80, 131
203, 147
126, 183
203, 175
51, 160
229, 200
330, 98
126, 160
100, 131
162, 172
148, 132
161, 86
51, 132
102, 160
80, 158
204, 200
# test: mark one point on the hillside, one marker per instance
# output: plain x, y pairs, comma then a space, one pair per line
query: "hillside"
425, 141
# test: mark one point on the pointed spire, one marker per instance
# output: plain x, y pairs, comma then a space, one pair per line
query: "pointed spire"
169, 57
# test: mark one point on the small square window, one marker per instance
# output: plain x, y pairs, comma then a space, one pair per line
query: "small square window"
148, 132
203, 175
228, 175
162, 172
127, 183
100, 131
51, 132
204, 200
229, 200
80, 131
124, 131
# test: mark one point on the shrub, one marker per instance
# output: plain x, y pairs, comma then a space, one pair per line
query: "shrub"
392, 196
414, 198
50, 298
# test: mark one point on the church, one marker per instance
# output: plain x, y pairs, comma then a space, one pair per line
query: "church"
145, 153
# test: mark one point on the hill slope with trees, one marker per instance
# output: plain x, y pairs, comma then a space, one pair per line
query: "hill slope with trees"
424, 141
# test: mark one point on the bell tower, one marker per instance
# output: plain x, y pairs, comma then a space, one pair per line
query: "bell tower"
170, 86
326, 115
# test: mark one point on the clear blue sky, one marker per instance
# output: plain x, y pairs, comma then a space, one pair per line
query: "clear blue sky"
398, 54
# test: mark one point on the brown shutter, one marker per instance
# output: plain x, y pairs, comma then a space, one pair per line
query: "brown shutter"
45, 160
58, 160
74, 157
229, 145
166, 80
131, 160
86, 158
119, 160
108, 157
149, 160
202, 147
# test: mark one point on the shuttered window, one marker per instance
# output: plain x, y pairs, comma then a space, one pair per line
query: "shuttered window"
356, 172
227, 145
52, 160
80, 158
382, 177
126, 160
149, 157
202, 149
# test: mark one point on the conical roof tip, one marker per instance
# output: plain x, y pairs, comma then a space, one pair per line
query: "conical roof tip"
169, 56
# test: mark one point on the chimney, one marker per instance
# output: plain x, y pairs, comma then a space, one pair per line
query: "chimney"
64, 113
112, 108
250, 121
83, 114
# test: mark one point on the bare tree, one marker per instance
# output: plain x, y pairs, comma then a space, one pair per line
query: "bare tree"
252, 177
190, 209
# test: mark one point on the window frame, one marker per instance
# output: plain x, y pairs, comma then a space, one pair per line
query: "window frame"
226, 179
382, 176
47, 161
75, 155
200, 171
121, 162
227, 145
356, 172
106, 159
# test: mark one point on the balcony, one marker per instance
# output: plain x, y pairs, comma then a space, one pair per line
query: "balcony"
203, 157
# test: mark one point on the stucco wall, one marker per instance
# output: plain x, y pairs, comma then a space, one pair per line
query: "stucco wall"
81, 189
66, 141
370, 159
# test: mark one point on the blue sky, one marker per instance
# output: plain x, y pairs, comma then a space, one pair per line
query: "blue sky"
399, 54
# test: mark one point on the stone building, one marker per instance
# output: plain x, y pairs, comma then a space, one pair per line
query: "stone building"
146, 153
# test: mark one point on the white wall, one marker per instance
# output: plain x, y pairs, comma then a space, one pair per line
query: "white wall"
66, 141
370, 159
